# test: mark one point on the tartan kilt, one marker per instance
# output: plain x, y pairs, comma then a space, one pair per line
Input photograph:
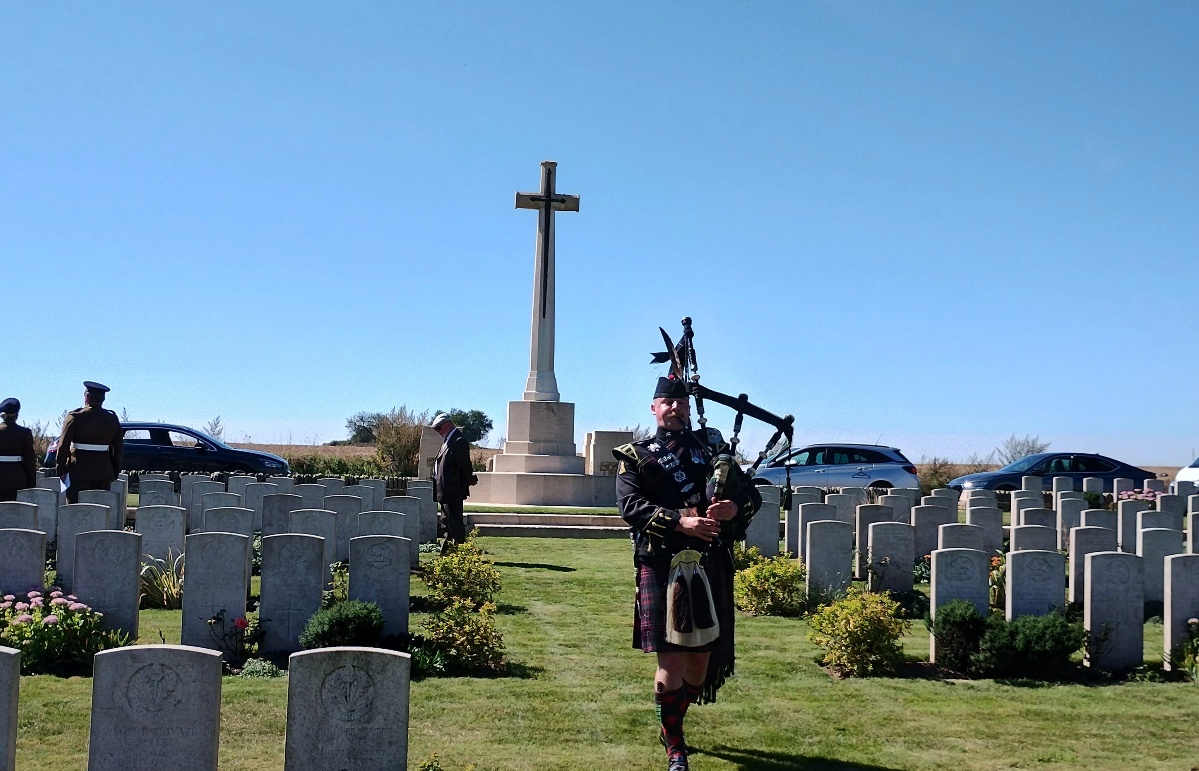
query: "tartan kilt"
649, 614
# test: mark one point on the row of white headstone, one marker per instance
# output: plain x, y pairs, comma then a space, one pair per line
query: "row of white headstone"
887, 542
159, 706
105, 567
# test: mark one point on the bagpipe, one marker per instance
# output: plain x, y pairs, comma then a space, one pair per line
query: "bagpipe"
684, 366
691, 617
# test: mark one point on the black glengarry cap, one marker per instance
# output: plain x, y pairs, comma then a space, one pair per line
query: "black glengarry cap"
670, 388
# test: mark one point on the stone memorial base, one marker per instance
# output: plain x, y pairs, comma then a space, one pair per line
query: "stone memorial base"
523, 488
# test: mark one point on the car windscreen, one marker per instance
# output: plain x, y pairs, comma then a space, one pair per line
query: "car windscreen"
1024, 464
208, 438
1195, 464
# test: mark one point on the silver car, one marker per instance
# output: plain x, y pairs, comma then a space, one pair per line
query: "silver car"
841, 465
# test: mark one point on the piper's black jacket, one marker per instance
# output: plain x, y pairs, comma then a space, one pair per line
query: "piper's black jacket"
651, 496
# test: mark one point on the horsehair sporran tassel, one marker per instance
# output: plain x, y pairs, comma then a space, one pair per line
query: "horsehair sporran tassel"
691, 610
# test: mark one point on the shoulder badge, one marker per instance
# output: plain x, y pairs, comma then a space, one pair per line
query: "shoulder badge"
625, 452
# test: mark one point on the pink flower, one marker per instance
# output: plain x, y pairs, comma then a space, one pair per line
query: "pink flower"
5, 605
76, 606
9, 598
59, 601
36, 602
55, 595
50, 620
22, 606
240, 622
24, 619
34, 593
72, 597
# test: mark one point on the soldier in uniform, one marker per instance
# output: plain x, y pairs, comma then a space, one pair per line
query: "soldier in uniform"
663, 493
89, 450
18, 465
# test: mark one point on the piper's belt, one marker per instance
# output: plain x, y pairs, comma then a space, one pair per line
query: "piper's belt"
10, 458
89, 447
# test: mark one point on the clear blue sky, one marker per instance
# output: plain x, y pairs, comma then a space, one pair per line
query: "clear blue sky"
929, 224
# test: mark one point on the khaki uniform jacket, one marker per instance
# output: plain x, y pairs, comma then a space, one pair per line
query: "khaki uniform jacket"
90, 425
17, 440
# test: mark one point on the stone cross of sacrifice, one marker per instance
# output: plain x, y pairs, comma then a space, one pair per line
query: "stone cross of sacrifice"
542, 385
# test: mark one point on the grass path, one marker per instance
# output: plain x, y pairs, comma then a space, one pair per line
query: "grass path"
584, 699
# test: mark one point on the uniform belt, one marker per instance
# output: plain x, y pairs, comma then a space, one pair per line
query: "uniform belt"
90, 447
10, 458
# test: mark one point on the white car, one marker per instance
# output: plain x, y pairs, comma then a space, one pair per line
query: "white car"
1189, 474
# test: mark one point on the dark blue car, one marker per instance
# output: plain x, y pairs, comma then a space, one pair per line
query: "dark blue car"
1047, 465
166, 447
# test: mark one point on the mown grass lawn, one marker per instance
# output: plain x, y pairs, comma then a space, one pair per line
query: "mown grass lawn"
583, 698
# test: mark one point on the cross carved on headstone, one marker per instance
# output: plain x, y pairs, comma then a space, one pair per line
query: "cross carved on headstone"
542, 384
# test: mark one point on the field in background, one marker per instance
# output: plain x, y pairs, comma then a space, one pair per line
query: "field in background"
363, 451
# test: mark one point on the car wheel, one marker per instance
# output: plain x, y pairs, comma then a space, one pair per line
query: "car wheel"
239, 470
880, 486
1005, 488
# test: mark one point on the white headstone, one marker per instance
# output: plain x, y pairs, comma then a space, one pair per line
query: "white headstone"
379, 573
283, 485
892, 550
1154, 485
162, 529
107, 576
1153, 546
347, 709
1036, 583
366, 493
73, 519
1114, 610
195, 512
412, 509
10, 683
347, 509
1101, 518
809, 513
866, 515
1042, 517
154, 493
1032, 484
252, 497
1035, 537
333, 485
1092, 485
215, 584
321, 523
1069, 516
236, 484
18, 515
155, 707
958, 536
112, 501
1083, 541
763, 530
1127, 519
1122, 485
846, 506
990, 519
22, 560
47, 508
312, 496
958, 574
927, 520
830, 556
293, 577
275, 512
1181, 598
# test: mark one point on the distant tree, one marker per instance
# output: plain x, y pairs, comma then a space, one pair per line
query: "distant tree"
398, 440
639, 433
363, 427
1014, 448
473, 424
215, 428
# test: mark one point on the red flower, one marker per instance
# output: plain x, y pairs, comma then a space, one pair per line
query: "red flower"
240, 622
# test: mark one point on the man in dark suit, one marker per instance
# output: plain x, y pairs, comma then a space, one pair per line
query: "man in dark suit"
91, 445
452, 477
18, 467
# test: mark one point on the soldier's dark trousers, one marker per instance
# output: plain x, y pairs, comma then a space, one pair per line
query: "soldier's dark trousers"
451, 517
7, 493
78, 485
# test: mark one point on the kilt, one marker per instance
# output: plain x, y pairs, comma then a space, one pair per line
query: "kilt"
649, 621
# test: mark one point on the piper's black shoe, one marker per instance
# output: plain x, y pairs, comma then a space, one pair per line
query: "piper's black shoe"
678, 762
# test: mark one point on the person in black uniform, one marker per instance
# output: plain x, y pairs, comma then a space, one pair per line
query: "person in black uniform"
662, 488
18, 465
89, 450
